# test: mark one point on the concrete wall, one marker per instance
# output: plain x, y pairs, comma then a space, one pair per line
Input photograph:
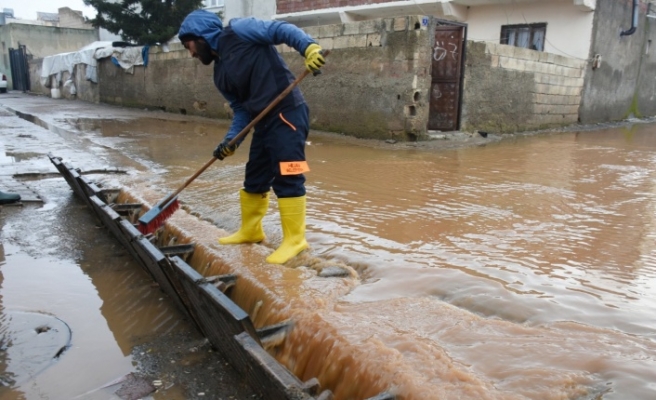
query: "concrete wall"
86, 90
172, 82
510, 89
378, 70
374, 71
41, 41
372, 74
72, 19
624, 85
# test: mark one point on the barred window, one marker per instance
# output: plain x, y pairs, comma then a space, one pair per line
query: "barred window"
529, 36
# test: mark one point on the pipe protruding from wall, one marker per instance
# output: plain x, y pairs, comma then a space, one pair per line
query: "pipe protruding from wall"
634, 20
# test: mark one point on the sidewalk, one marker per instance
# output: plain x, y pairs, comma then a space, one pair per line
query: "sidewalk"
55, 260
24, 146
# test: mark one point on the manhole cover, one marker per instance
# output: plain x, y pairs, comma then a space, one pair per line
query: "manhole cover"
29, 343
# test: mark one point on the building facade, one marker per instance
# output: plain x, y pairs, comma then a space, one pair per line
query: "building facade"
598, 36
495, 66
49, 34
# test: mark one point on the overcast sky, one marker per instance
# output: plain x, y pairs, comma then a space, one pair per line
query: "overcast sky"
27, 9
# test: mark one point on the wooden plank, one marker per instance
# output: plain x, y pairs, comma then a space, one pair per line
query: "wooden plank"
129, 211
150, 255
183, 251
222, 322
73, 181
171, 270
98, 208
225, 324
89, 187
112, 221
69, 176
263, 371
107, 216
219, 317
383, 396
155, 263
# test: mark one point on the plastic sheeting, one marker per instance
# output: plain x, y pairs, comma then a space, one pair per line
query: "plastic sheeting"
126, 57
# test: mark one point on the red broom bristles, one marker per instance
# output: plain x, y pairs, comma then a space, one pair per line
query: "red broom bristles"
156, 217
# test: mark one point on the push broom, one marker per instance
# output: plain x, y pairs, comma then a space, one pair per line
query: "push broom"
157, 215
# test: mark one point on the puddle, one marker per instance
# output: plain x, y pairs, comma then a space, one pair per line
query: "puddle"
512, 239
18, 157
148, 126
519, 269
466, 253
29, 343
57, 264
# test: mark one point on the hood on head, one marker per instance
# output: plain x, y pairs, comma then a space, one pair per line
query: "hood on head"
204, 24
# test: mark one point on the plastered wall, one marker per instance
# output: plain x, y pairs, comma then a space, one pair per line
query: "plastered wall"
624, 84
41, 41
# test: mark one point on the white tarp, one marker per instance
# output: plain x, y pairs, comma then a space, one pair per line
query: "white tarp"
127, 57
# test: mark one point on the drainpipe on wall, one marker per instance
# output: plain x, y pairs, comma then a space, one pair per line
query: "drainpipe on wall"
634, 21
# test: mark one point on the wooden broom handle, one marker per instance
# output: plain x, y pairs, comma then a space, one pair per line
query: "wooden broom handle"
246, 129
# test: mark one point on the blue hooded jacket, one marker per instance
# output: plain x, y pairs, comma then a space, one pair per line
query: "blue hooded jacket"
248, 71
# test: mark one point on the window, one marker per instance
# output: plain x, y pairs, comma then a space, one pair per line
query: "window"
527, 36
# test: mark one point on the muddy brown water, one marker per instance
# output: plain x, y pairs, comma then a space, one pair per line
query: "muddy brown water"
523, 269
77, 314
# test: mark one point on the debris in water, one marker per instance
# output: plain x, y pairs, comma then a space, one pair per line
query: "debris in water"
334, 271
256, 308
135, 387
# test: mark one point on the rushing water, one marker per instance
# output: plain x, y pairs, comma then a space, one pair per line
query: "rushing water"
523, 269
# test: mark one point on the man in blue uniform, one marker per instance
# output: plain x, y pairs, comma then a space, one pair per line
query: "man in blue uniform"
250, 74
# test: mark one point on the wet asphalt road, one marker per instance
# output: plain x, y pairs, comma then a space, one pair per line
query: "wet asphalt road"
545, 242
111, 334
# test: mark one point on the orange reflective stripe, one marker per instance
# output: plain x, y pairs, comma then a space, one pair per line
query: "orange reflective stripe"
287, 122
294, 167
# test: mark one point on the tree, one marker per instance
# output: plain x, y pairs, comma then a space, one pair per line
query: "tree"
142, 21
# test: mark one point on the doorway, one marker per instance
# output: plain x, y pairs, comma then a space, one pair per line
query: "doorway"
447, 66
20, 73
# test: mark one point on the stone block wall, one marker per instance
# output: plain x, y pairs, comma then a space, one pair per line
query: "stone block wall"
366, 89
376, 80
510, 89
172, 82
85, 90
375, 84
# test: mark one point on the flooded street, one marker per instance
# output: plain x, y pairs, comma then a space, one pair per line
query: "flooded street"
77, 313
524, 269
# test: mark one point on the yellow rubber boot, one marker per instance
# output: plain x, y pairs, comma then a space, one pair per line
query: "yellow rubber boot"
292, 218
253, 208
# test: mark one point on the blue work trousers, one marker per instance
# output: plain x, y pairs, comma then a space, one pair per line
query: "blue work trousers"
278, 138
